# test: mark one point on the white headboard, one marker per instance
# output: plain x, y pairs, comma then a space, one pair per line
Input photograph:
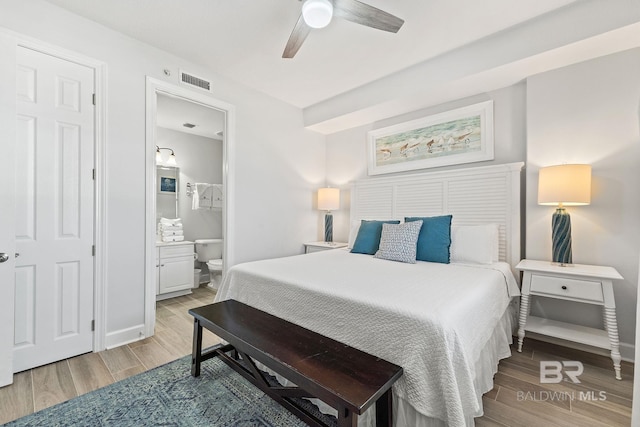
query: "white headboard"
481, 195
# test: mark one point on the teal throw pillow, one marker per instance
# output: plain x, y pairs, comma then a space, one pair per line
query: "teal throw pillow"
434, 239
368, 238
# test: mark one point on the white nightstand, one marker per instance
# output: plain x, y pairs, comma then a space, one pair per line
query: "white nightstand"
589, 284
322, 246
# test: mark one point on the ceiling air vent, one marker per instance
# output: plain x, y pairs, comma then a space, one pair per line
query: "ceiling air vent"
192, 80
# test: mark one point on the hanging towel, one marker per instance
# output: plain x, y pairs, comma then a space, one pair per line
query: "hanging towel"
217, 196
202, 196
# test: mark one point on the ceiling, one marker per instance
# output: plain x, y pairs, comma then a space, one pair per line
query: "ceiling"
243, 40
173, 112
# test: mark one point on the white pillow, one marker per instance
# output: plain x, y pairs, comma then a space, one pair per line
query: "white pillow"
353, 232
476, 244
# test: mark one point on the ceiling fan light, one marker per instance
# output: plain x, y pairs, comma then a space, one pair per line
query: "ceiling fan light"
317, 13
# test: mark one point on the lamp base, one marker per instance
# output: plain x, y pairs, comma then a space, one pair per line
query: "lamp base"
328, 227
561, 235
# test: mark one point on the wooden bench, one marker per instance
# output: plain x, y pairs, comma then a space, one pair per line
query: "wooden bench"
345, 378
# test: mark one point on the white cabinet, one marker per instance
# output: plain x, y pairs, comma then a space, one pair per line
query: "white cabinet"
175, 270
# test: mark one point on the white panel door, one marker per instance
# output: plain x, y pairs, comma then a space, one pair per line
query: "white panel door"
7, 210
54, 209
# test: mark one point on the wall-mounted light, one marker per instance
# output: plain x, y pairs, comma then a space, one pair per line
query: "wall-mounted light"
171, 161
563, 185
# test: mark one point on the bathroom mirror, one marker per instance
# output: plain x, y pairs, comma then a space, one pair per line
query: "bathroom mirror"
167, 188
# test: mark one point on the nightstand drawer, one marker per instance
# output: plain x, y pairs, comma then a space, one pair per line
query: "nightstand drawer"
568, 288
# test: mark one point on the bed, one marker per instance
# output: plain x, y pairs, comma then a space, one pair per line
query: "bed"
447, 325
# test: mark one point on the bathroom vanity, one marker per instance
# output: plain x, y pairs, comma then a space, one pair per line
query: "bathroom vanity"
174, 263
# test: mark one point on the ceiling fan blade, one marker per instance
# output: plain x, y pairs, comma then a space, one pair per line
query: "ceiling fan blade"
360, 13
297, 37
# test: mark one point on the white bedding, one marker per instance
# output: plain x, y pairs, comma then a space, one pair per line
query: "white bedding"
432, 319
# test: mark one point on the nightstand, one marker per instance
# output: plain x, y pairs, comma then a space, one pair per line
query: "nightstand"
589, 284
322, 246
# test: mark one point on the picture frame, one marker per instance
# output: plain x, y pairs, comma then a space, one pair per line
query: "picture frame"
463, 135
167, 184
167, 180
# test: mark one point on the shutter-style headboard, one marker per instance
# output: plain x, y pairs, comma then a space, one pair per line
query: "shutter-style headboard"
481, 195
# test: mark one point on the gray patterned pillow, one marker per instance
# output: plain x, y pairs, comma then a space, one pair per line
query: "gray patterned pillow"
398, 242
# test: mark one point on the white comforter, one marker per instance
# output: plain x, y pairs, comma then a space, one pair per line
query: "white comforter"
431, 319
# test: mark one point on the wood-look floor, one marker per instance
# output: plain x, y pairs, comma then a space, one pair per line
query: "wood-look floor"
48, 385
518, 398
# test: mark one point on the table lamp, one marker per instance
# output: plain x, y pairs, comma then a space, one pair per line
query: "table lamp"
328, 200
563, 185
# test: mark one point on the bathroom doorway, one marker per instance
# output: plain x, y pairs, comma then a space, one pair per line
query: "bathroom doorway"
188, 147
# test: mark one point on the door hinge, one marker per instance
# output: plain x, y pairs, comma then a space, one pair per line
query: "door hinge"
93, 99
93, 325
93, 174
93, 250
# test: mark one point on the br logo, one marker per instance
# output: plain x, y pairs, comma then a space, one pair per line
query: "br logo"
551, 371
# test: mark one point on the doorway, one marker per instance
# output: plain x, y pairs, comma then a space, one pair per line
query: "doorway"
160, 95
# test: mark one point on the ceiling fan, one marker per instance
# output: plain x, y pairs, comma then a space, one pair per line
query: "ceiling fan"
318, 14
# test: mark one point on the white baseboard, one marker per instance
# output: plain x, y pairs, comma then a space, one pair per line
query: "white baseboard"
160, 297
627, 351
125, 336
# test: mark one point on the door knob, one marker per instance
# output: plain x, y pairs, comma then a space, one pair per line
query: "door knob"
4, 257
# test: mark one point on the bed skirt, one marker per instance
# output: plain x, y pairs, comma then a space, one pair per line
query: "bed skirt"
496, 349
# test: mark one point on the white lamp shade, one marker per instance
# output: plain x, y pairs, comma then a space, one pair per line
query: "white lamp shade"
171, 161
328, 199
317, 13
568, 185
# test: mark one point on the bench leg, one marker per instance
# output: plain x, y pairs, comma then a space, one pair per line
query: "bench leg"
384, 410
196, 353
346, 418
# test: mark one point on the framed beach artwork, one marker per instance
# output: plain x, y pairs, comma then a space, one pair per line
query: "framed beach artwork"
463, 135
167, 179
167, 184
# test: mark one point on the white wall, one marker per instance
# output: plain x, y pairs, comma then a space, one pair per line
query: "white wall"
347, 150
589, 113
277, 167
199, 160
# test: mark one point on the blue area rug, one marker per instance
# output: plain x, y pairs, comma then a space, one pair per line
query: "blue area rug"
169, 396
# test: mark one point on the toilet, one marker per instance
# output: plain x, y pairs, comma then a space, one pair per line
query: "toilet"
210, 252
